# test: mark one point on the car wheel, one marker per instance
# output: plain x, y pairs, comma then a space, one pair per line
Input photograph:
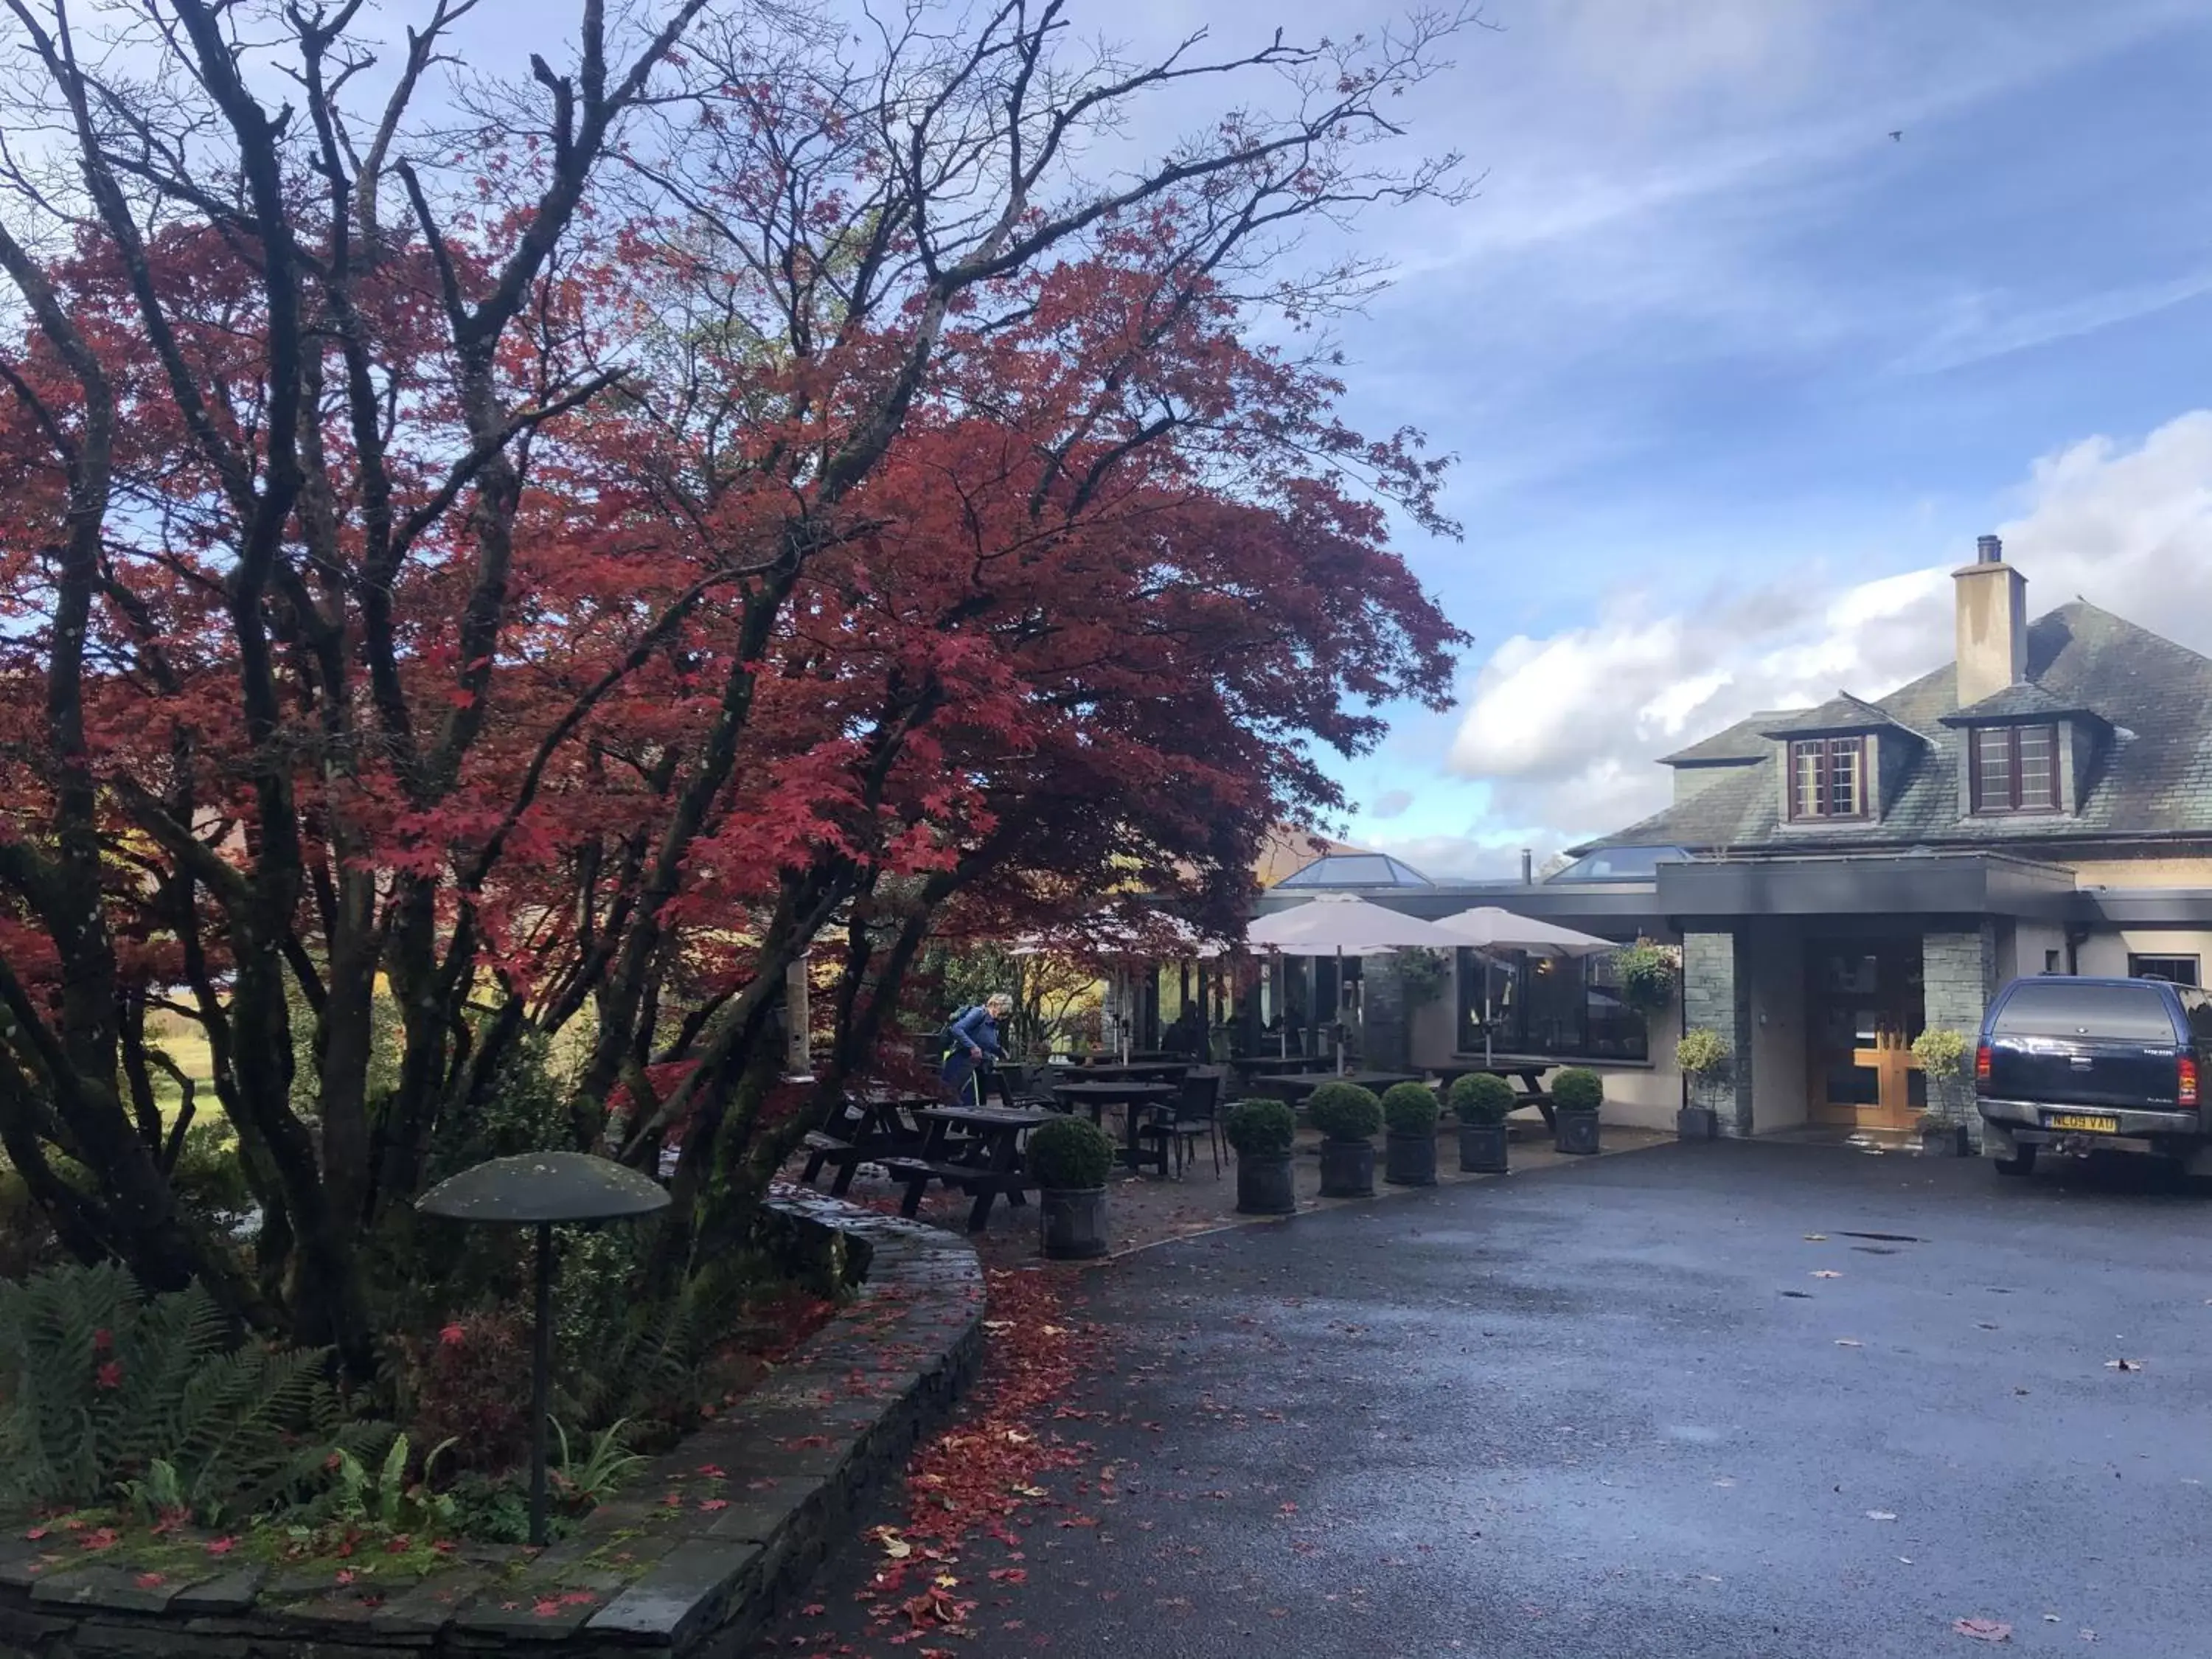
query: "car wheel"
2021, 1162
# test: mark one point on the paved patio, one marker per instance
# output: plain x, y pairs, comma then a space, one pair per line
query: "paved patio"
1734, 1401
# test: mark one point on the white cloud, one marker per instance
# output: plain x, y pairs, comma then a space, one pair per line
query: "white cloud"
1564, 728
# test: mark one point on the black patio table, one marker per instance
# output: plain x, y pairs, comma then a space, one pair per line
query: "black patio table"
976, 1148
1132, 1097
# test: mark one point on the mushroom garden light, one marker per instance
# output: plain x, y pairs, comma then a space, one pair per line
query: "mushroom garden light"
540, 1189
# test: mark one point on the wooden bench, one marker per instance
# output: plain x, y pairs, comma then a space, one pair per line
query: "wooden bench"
986, 1185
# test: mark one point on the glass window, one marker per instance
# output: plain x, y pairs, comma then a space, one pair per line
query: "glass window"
2015, 769
2174, 970
2066, 1008
1827, 778
1557, 1008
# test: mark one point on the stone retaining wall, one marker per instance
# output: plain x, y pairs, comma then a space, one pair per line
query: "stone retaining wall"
738, 1514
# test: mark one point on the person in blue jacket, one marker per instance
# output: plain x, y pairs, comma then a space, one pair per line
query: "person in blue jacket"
971, 1043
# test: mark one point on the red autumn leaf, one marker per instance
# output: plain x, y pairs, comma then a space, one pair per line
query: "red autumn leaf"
1982, 1630
221, 1546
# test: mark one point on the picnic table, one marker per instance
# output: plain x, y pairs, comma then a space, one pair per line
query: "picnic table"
1295, 1089
1133, 1095
865, 1129
1280, 1065
1526, 1071
1127, 1071
977, 1149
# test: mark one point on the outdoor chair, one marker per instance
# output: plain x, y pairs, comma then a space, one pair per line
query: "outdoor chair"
1180, 1123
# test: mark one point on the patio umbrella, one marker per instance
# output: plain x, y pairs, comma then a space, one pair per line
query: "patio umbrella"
1345, 925
1489, 929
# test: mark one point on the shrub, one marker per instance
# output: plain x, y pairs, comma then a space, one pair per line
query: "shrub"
105, 1390
1344, 1111
469, 1383
1260, 1128
1646, 972
210, 1179
1070, 1154
1702, 1049
1941, 1052
1409, 1108
1932, 1123
1480, 1097
1578, 1089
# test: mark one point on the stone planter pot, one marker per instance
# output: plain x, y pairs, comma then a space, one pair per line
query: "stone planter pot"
1697, 1123
1950, 1142
1482, 1148
1347, 1168
1574, 1132
1410, 1160
1072, 1222
1264, 1186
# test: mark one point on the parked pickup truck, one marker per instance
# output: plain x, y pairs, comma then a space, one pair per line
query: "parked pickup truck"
2094, 1065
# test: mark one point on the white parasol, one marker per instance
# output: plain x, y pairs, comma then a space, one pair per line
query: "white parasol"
1345, 926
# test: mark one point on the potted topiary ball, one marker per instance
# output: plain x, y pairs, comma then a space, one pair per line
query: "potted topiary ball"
1409, 1151
1703, 1056
1577, 1094
1259, 1132
1347, 1116
1069, 1158
1482, 1103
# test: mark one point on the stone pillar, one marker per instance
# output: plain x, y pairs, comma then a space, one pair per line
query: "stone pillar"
1957, 977
1383, 1014
1716, 994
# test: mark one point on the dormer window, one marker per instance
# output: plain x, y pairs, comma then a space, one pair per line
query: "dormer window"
1828, 779
2013, 769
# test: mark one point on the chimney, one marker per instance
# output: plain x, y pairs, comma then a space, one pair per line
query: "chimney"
1992, 605
1527, 866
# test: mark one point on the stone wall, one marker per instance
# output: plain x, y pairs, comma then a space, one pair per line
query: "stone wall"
1958, 975
1717, 993
718, 1530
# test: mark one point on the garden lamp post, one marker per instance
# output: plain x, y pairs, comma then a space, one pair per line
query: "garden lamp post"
538, 1189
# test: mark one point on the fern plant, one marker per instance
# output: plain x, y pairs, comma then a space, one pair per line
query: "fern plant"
105, 1392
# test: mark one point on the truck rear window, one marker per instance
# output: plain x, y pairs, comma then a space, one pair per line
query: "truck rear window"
2054, 1008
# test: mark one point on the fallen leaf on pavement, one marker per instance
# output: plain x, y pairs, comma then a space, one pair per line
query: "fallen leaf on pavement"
1879, 1514
1822, 1238
1982, 1630
1849, 1342
2123, 1364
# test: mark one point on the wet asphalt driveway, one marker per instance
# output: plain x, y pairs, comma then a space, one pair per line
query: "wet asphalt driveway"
1628, 1408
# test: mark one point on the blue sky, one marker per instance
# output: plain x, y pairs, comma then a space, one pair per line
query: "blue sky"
1735, 377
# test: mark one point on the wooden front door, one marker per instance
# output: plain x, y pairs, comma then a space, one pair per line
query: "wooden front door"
1864, 1007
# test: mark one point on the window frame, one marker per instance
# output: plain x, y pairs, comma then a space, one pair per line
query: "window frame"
1823, 811
2016, 805
1516, 1029
2139, 960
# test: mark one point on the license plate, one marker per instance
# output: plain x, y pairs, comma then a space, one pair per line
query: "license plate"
2095, 1123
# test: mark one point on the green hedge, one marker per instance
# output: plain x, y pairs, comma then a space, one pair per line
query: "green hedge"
1344, 1111
1260, 1128
1578, 1089
1480, 1097
1409, 1108
1070, 1154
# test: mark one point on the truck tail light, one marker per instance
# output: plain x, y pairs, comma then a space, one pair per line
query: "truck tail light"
1982, 1064
2186, 1082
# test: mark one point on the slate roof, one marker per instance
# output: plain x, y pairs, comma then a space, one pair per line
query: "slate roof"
1841, 713
2153, 774
1739, 743
2025, 702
